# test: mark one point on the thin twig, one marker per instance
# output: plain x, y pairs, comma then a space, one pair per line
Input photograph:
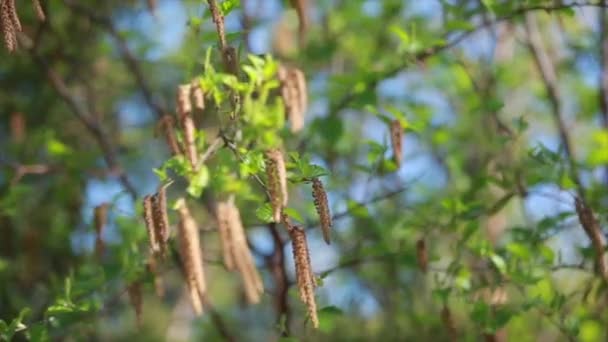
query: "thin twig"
127, 55
90, 122
424, 54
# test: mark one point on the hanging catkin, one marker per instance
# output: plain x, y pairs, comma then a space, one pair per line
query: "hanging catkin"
304, 275
396, 141
254, 288
223, 225
159, 286
14, 17
161, 219
136, 300
9, 30
184, 111
448, 322
150, 225
191, 255
277, 182
422, 255
322, 206
294, 94
38, 9
196, 92
167, 124
236, 252
100, 218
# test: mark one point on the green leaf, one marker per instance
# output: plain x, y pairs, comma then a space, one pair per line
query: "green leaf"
8, 331
291, 212
265, 213
198, 182
327, 318
499, 262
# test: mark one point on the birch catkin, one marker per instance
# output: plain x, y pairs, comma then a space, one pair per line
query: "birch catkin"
190, 251
136, 300
198, 97
12, 10
254, 288
236, 252
322, 206
396, 141
222, 213
9, 31
100, 218
294, 94
161, 220
167, 125
304, 274
149, 221
184, 110
277, 182
159, 286
38, 9
448, 322
422, 255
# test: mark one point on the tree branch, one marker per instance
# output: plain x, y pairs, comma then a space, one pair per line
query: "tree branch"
127, 55
90, 123
422, 55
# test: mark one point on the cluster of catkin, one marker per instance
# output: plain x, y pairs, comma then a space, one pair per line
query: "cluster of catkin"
157, 221
189, 96
277, 190
236, 252
294, 94
10, 23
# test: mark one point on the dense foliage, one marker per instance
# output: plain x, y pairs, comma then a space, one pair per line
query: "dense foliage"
304, 170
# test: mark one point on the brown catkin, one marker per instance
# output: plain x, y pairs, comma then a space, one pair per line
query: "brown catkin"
254, 287
422, 255
304, 275
14, 17
277, 182
38, 9
396, 141
231, 60
448, 322
236, 252
302, 96
322, 206
159, 286
593, 231
7, 26
161, 220
100, 218
301, 7
167, 125
184, 111
136, 300
198, 97
294, 94
191, 254
150, 225
223, 225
